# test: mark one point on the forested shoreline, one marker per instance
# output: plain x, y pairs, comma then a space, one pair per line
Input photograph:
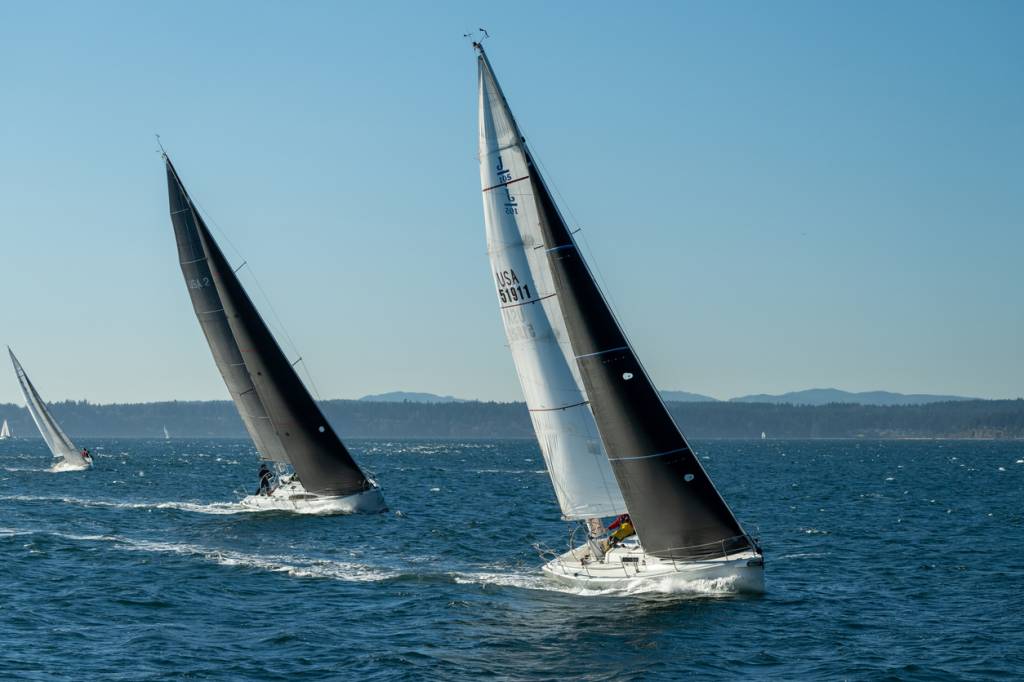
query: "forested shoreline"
1001, 419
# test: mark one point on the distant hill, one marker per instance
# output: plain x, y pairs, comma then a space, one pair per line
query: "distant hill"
826, 396
410, 397
686, 397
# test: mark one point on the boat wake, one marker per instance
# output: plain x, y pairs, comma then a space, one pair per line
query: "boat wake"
62, 466
299, 567
674, 586
209, 508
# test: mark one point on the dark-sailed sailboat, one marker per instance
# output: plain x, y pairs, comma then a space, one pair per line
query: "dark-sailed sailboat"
573, 358
282, 418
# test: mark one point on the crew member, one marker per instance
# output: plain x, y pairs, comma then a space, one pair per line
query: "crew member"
265, 478
621, 529
86, 455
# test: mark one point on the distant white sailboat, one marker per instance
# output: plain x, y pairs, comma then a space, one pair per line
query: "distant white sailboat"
609, 442
5, 431
69, 457
167, 436
764, 436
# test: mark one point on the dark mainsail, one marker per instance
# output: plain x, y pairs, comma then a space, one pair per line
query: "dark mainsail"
280, 415
674, 506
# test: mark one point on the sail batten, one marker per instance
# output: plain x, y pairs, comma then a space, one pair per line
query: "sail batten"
579, 470
674, 506
283, 420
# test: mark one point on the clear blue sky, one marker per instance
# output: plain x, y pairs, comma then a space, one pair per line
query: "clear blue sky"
777, 195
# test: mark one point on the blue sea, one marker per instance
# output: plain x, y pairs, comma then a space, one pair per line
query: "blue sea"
884, 560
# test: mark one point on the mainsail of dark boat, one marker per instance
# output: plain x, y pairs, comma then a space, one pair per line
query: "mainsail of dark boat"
280, 415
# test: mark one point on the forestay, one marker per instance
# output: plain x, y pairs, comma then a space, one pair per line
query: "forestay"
58, 442
281, 416
562, 420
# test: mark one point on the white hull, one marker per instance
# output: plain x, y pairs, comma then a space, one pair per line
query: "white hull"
62, 465
290, 496
628, 568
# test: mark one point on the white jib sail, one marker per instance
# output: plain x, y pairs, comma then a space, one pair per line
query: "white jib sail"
5, 430
565, 427
58, 442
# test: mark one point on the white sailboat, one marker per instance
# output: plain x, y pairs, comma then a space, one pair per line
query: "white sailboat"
610, 445
167, 435
315, 472
5, 431
68, 457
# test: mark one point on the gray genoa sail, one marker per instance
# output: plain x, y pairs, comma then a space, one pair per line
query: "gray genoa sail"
280, 415
56, 440
674, 506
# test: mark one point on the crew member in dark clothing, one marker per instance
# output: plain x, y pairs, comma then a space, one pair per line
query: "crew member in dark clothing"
86, 455
265, 478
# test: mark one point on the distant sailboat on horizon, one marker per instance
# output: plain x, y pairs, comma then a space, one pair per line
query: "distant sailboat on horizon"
69, 458
610, 445
167, 436
5, 431
285, 423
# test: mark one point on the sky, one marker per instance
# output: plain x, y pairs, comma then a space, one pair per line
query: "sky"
776, 196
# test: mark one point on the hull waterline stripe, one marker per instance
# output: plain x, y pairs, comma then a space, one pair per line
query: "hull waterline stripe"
504, 184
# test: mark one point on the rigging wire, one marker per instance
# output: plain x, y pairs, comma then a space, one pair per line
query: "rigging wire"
602, 283
266, 299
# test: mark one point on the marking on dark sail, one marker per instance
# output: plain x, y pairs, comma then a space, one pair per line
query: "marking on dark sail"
564, 407
536, 300
188, 262
563, 246
503, 184
602, 352
657, 454
181, 211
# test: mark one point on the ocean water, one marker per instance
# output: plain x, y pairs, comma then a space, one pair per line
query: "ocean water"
885, 560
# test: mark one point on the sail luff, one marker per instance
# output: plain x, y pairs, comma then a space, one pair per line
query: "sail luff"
674, 506
306, 438
57, 441
578, 467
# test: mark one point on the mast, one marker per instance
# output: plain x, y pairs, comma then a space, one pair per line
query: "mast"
280, 415
578, 467
674, 506
56, 440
